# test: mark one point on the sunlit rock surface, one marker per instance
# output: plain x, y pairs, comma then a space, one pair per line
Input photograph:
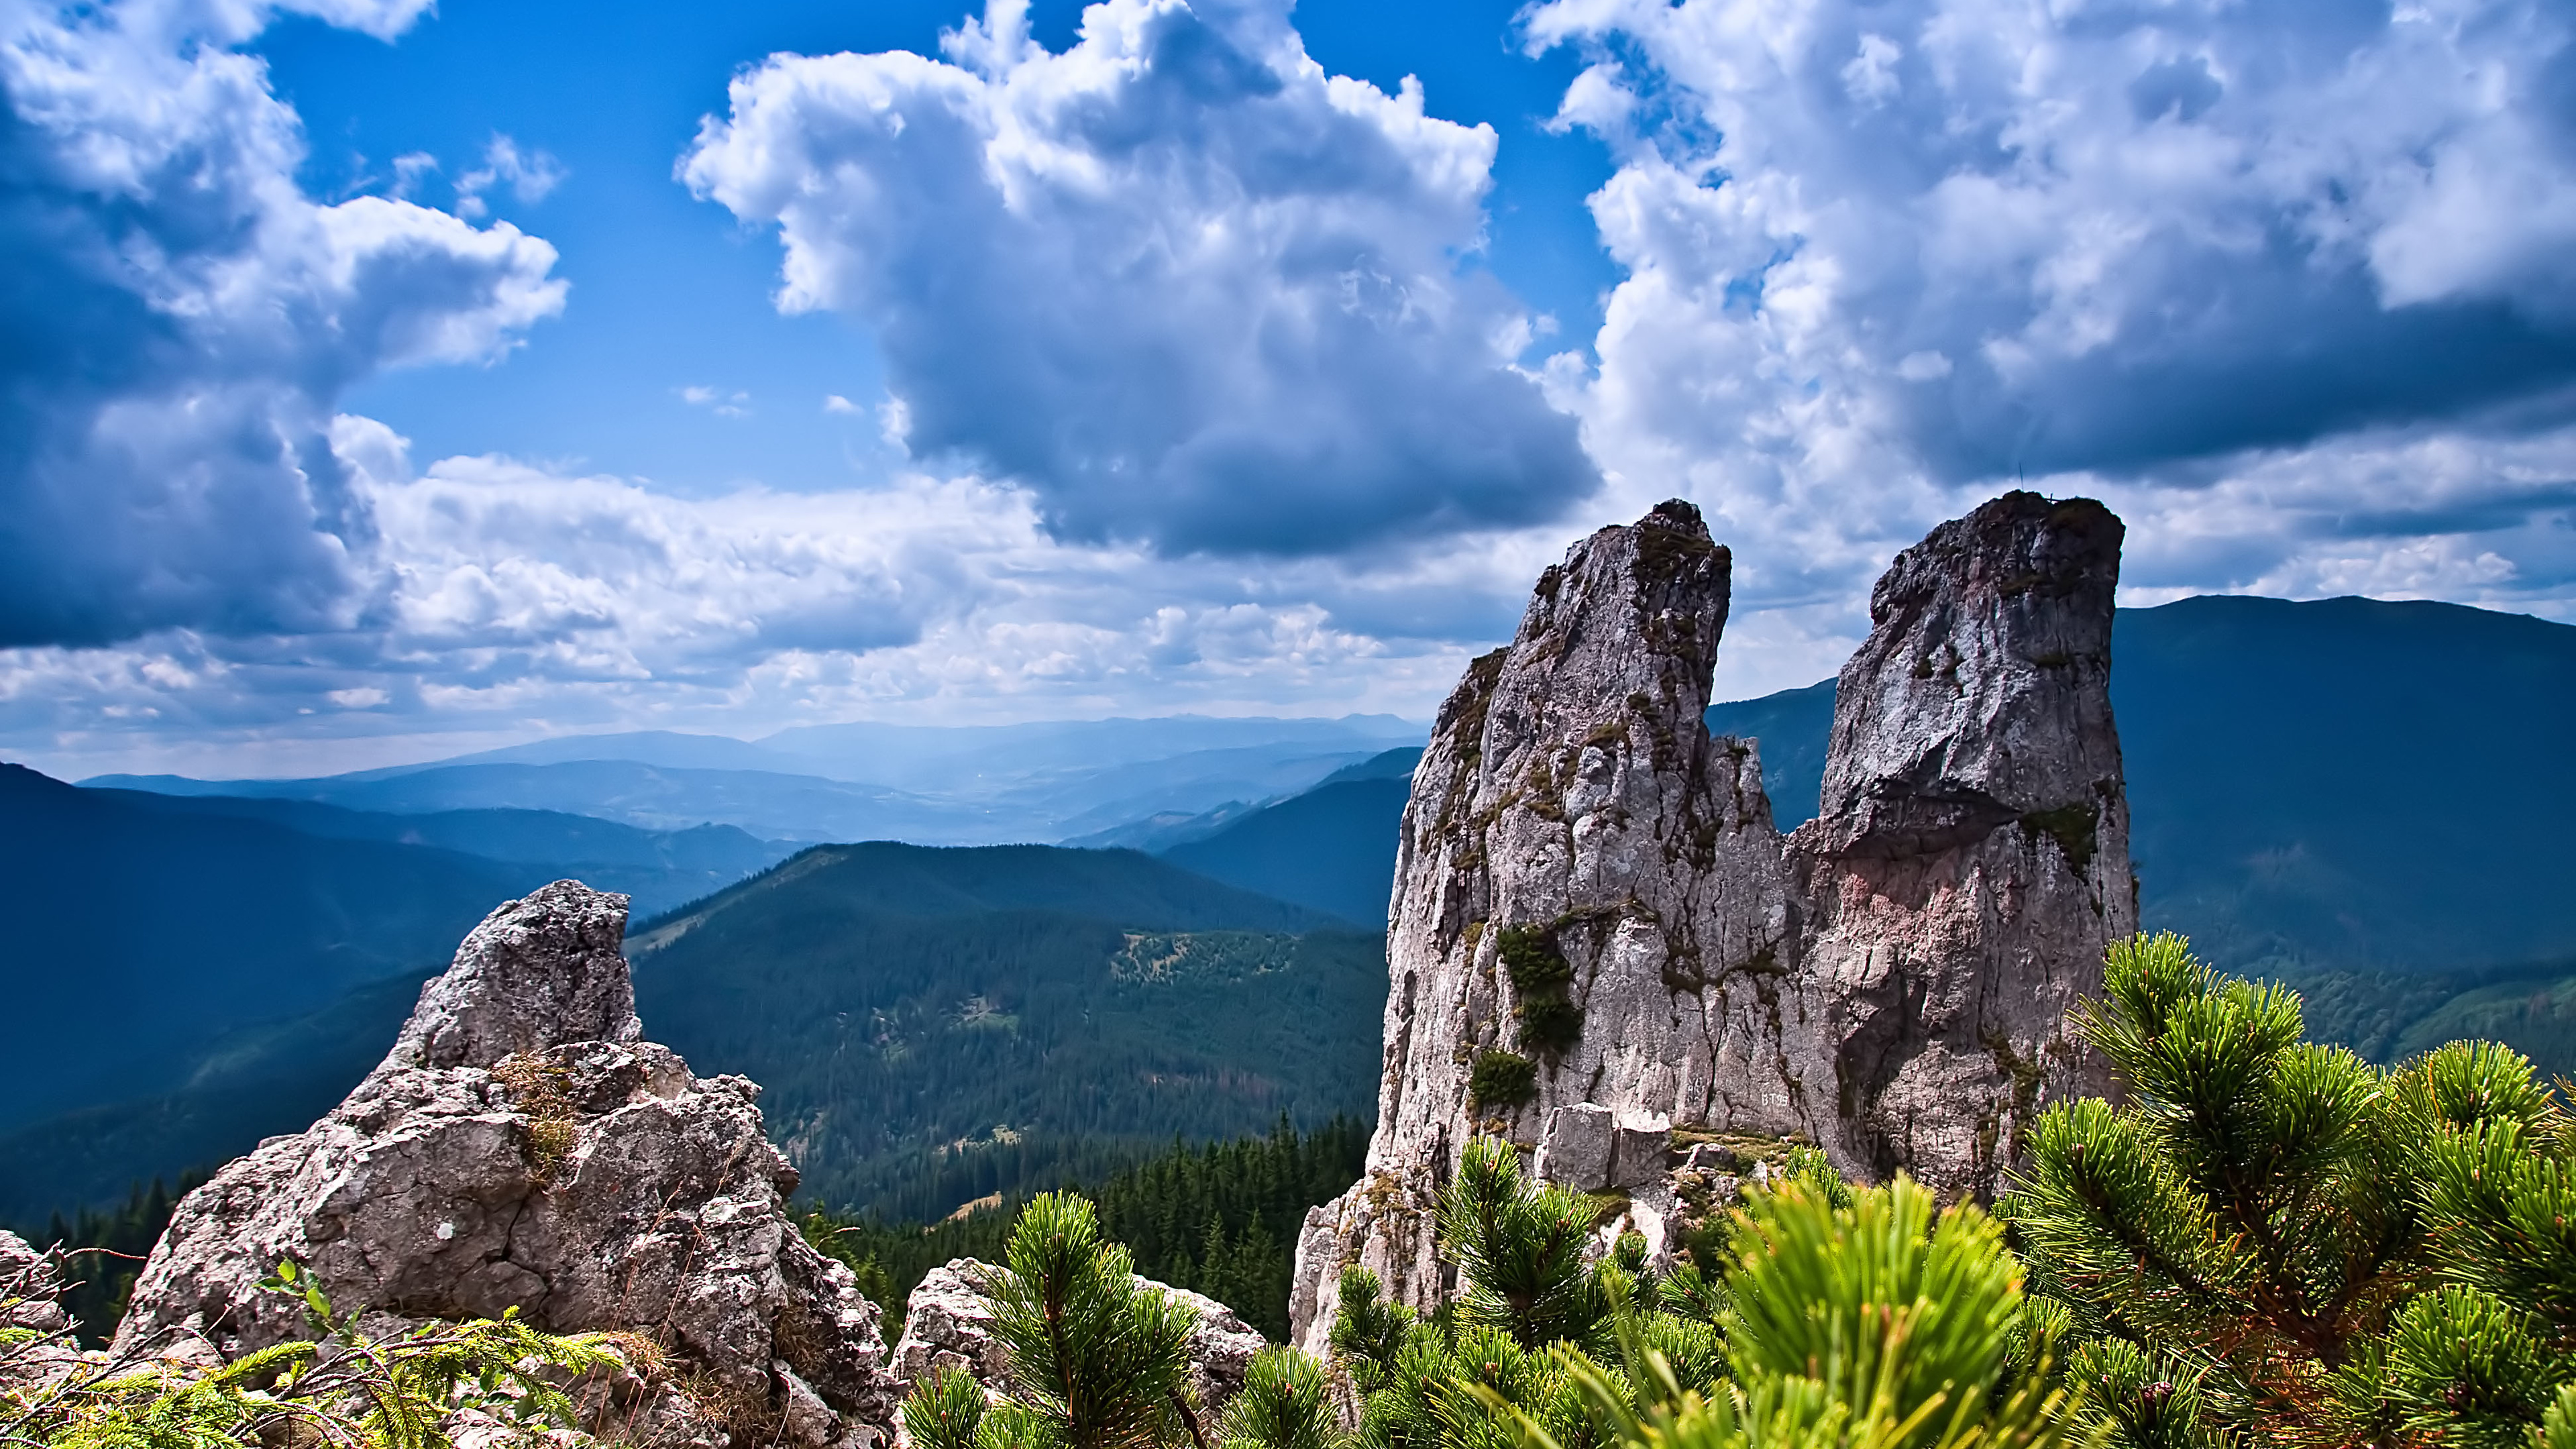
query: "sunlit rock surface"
523, 1146
1602, 948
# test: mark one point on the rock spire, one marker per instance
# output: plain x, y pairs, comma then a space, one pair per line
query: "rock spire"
1599, 939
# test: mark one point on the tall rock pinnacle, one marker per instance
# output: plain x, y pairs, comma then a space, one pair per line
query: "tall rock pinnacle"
1598, 938
1972, 861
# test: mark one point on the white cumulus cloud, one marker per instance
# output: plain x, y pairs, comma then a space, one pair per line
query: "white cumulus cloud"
1178, 281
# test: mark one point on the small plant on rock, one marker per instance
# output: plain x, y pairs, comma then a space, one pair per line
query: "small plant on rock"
1502, 1079
341, 1388
1098, 1361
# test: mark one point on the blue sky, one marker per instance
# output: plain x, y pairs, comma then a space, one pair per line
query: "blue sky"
384, 381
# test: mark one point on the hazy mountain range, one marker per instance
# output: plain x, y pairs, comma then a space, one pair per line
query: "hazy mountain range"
975, 785
2363, 798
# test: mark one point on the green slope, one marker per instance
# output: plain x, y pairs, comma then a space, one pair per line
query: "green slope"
250, 1082
135, 935
931, 1024
904, 1005
2351, 784
1332, 848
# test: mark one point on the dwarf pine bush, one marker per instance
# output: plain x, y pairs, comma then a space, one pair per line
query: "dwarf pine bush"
2275, 1242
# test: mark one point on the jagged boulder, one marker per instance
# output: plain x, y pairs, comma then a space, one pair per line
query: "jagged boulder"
1599, 939
523, 1146
947, 1324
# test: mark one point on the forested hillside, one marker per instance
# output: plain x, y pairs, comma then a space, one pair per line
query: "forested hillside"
247, 1083
907, 1007
933, 1025
1219, 1219
136, 934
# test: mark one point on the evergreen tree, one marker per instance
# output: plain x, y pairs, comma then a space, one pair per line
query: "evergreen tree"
2276, 1242
1284, 1403
1097, 1361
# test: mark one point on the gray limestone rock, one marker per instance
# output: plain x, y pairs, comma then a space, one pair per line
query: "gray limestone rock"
1638, 1156
948, 1325
1575, 1150
1571, 804
521, 1146
31, 1290
1588, 882
1971, 865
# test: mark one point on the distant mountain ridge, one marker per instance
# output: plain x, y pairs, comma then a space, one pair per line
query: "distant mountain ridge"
968, 786
659, 868
1274, 850
136, 931
2338, 785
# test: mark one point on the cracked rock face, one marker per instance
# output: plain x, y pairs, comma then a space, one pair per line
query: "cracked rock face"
1572, 819
1600, 939
522, 1146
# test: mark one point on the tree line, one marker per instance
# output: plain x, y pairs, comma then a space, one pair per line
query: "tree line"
1219, 1219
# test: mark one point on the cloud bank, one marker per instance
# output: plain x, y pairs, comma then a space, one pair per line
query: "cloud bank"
1210, 405
1177, 281
181, 320
507, 599
2289, 281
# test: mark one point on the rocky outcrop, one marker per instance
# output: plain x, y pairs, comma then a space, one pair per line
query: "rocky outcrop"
523, 1146
35, 1333
1600, 946
948, 1325
1590, 908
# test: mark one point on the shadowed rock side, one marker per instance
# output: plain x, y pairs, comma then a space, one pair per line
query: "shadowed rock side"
1598, 937
1972, 861
523, 1146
